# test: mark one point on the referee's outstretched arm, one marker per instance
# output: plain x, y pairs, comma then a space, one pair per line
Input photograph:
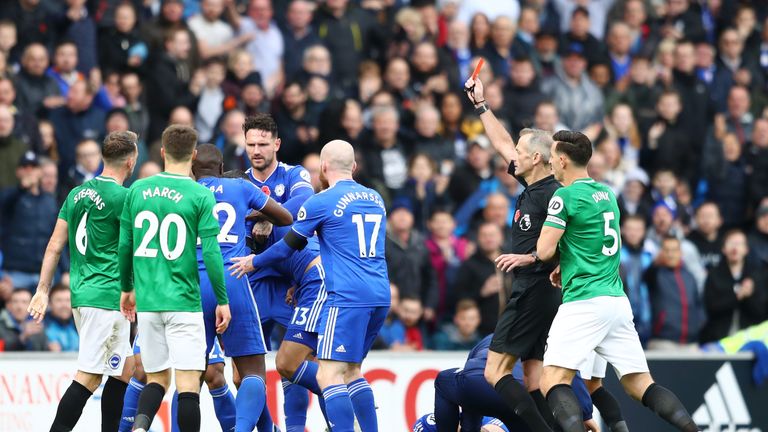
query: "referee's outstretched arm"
500, 139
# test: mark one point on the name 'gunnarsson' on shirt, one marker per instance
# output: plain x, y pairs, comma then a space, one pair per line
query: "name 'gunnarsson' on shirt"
347, 198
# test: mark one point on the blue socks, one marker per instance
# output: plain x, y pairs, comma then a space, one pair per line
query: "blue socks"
361, 395
265, 423
338, 406
296, 402
224, 407
251, 400
306, 376
130, 404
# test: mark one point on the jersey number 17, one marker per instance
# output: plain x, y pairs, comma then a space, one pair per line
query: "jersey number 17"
360, 221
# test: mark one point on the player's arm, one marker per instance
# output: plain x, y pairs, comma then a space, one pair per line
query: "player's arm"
56, 245
279, 251
301, 191
276, 214
546, 247
554, 226
500, 139
214, 266
125, 263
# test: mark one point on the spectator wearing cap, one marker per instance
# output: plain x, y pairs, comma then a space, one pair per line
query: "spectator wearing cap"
298, 35
758, 236
522, 94
678, 309
18, 331
11, 148
78, 120
634, 199
386, 158
578, 99
28, 215
577, 36
478, 279
121, 48
466, 177
59, 323
707, 236
265, 43
758, 162
408, 259
170, 80
25, 126
735, 292
664, 224
35, 90
35, 21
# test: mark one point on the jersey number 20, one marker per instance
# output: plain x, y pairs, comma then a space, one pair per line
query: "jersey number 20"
357, 219
610, 232
171, 219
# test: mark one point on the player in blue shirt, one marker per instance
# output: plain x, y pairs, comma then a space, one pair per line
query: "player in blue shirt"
290, 186
467, 388
244, 342
350, 222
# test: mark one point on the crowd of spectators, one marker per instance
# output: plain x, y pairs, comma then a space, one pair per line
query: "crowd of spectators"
673, 94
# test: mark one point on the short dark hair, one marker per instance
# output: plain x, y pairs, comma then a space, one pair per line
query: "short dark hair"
118, 146
235, 174
465, 304
670, 237
707, 203
732, 232
261, 121
635, 217
179, 142
575, 145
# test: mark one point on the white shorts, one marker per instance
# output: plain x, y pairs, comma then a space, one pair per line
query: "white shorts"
104, 340
593, 367
601, 324
172, 340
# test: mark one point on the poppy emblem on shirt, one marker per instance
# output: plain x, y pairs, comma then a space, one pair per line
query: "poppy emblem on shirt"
517, 215
266, 190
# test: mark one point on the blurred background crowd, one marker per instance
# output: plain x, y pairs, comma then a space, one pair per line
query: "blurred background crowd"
671, 92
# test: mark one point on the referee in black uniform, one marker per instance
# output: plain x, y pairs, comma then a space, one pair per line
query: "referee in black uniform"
522, 329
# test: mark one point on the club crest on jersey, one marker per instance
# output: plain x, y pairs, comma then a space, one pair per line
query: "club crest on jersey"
266, 190
517, 215
280, 190
114, 361
525, 222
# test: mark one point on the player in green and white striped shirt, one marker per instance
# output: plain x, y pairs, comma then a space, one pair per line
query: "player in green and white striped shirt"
89, 219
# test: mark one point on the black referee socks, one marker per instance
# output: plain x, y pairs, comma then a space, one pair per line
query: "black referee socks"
516, 396
566, 408
70, 407
543, 407
189, 412
667, 406
149, 402
609, 409
112, 404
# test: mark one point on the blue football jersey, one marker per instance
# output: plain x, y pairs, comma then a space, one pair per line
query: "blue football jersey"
350, 221
294, 267
235, 199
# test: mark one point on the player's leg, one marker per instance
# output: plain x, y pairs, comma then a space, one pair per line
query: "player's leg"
113, 395
606, 403
156, 360
132, 393
338, 406
446, 401
223, 399
622, 348
334, 357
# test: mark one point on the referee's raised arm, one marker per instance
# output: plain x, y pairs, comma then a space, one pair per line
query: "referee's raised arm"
500, 139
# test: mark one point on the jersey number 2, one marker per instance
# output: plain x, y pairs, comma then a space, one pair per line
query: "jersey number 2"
369, 218
610, 232
172, 218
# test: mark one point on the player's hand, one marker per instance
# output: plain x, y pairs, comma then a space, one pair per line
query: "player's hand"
477, 94
128, 305
746, 289
242, 266
223, 317
591, 425
556, 278
38, 306
261, 231
289, 299
507, 262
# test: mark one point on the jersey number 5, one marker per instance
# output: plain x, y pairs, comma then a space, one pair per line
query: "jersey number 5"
369, 218
172, 218
610, 232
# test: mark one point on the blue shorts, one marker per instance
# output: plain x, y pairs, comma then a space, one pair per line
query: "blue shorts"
349, 332
243, 337
270, 297
214, 356
310, 298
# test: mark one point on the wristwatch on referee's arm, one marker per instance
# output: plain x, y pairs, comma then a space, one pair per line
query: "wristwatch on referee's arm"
536, 259
481, 108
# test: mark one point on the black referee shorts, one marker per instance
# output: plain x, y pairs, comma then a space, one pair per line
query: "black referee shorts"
523, 326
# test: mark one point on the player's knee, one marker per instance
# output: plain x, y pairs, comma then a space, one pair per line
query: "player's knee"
552, 376
285, 366
352, 373
593, 384
188, 381
492, 374
88, 380
214, 378
139, 374
636, 384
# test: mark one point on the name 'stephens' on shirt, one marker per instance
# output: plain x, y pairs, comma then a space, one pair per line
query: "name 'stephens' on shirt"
92, 194
164, 192
347, 198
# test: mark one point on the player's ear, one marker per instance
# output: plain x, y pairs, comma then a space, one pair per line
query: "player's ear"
162, 153
354, 167
194, 154
277, 144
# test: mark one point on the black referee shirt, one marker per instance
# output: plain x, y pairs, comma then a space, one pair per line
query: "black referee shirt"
530, 213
